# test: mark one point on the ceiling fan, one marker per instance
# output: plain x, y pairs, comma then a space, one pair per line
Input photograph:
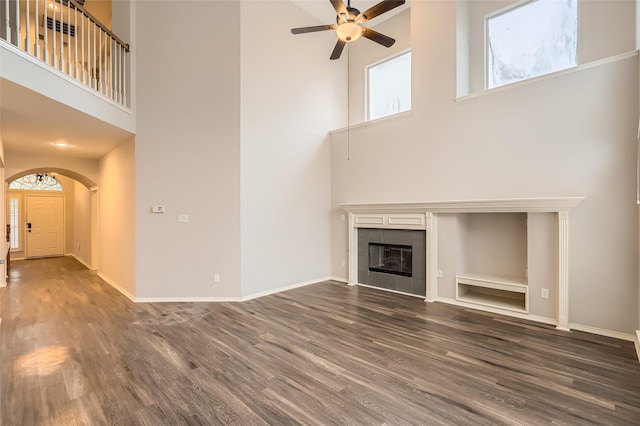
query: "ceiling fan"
349, 24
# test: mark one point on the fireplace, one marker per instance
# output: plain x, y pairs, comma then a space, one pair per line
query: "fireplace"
393, 259
390, 259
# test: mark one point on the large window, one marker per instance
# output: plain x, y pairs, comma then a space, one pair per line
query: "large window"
531, 39
389, 86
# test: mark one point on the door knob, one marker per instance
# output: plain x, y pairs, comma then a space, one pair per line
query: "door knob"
28, 226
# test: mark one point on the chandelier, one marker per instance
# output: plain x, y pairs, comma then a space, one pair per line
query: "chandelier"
41, 180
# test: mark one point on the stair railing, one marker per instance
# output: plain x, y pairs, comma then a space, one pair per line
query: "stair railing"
65, 36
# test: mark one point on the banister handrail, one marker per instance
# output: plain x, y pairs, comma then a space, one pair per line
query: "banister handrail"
98, 23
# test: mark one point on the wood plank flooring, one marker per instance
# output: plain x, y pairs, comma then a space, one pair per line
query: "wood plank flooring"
76, 352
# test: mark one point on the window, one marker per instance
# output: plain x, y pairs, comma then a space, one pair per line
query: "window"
389, 86
36, 182
14, 221
531, 39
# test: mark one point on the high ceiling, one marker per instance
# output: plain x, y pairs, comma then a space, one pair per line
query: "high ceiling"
33, 123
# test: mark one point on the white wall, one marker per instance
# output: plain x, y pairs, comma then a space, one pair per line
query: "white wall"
570, 135
81, 226
292, 94
116, 224
188, 148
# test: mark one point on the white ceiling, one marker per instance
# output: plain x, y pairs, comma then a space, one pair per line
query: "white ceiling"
32, 123
324, 12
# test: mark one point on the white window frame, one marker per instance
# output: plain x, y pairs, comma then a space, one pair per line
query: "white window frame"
507, 9
367, 87
19, 235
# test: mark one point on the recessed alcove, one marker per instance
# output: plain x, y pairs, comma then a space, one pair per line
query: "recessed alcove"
492, 260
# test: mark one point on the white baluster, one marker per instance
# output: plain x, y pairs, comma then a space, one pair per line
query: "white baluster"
36, 45
8, 20
46, 32
18, 38
75, 41
53, 38
124, 80
27, 19
61, 40
95, 72
82, 64
68, 38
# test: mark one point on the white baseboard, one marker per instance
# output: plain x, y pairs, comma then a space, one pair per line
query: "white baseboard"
117, 287
339, 279
229, 298
602, 332
637, 342
536, 318
81, 260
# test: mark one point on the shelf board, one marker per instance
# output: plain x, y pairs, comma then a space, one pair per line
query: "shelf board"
493, 281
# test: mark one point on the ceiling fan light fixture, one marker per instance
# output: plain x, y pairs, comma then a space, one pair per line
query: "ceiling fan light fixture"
349, 31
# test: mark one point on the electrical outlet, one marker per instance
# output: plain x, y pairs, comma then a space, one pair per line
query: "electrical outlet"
216, 278
544, 293
439, 273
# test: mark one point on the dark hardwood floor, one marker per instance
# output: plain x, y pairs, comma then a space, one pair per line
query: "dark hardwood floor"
75, 351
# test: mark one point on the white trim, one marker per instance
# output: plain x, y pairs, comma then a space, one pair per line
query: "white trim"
514, 314
637, 343
117, 287
377, 120
577, 68
419, 296
602, 332
340, 279
54, 71
232, 298
79, 259
507, 205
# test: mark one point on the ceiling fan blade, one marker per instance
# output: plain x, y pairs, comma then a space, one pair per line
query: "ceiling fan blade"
339, 6
337, 51
382, 39
380, 8
303, 30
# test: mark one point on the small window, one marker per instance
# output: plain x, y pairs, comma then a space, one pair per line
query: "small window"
531, 39
389, 86
14, 221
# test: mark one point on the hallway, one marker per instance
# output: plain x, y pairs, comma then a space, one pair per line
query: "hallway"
75, 351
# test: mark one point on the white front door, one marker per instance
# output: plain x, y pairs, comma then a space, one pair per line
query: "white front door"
45, 226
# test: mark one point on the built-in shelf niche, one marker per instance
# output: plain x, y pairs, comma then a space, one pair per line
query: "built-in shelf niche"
492, 260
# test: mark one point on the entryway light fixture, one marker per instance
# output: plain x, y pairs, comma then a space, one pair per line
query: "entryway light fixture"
41, 179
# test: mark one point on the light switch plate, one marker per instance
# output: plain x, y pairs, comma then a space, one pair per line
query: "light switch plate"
157, 209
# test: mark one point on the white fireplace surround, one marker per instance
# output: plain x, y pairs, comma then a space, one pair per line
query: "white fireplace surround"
423, 216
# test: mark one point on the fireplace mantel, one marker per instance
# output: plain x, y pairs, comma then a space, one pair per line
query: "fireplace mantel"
423, 215
507, 205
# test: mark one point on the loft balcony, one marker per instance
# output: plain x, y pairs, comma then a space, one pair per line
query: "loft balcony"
58, 49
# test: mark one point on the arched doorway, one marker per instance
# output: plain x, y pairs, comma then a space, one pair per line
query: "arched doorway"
52, 219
